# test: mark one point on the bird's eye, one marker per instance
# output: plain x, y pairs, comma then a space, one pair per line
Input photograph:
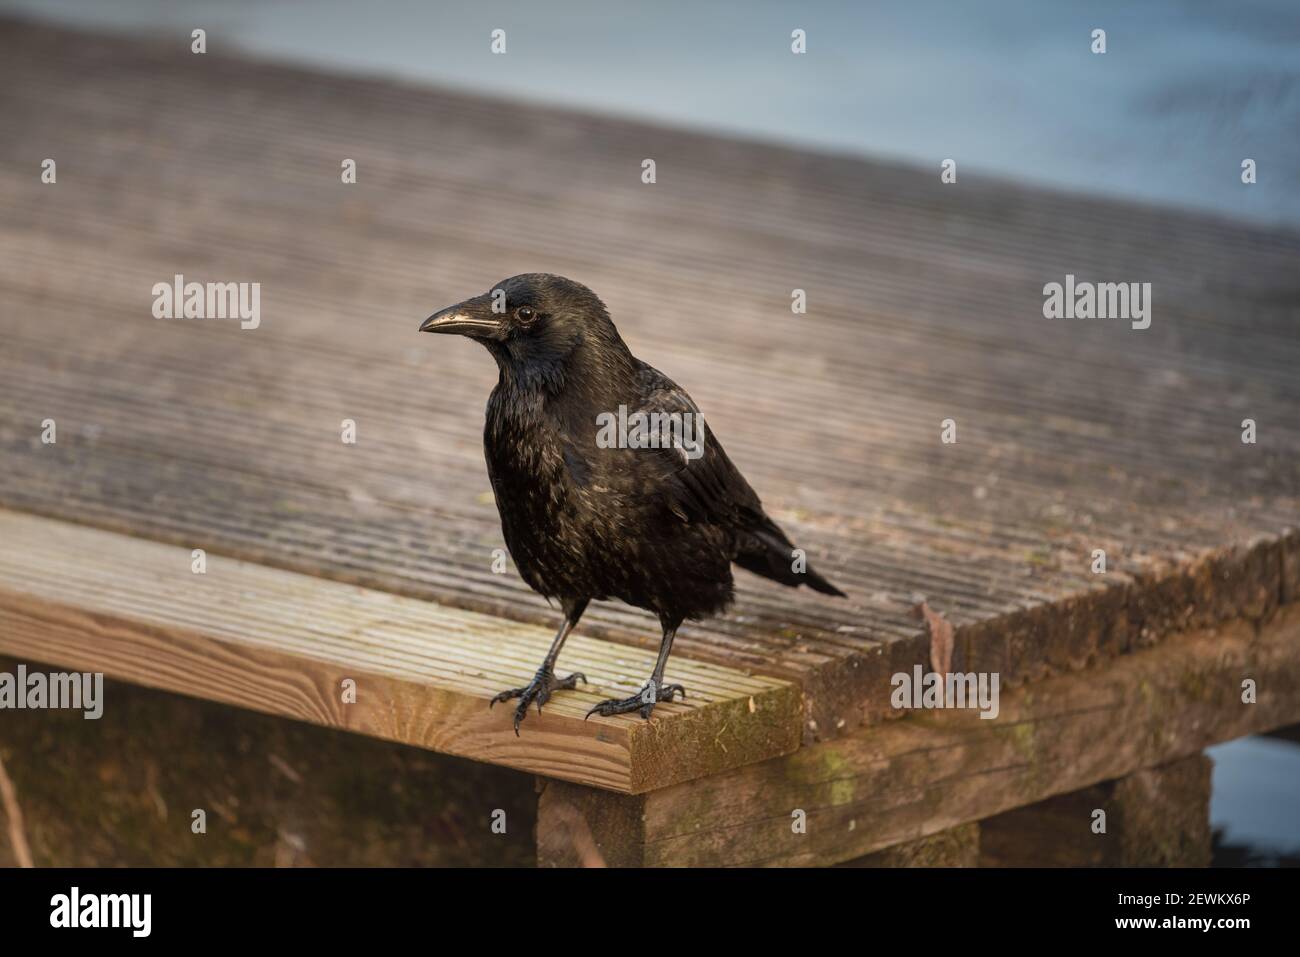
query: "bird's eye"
525, 314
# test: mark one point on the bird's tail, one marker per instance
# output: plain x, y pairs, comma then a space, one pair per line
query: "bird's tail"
766, 551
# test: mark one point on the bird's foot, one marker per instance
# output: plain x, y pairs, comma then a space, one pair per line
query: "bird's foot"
643, 701
539, 690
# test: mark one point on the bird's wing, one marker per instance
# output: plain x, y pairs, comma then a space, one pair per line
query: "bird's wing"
707, 488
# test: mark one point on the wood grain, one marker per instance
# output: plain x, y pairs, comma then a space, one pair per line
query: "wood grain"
283, 643
925, 303
936, 770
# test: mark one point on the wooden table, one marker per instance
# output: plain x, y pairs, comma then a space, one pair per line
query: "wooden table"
373, 561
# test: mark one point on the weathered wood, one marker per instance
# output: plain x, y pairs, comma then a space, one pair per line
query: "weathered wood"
121, 791
282, 643
1156, 817
932, 771
956, 847
582, 827
925, 303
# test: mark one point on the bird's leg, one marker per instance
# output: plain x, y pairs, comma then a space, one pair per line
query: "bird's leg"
544, 683
654, 690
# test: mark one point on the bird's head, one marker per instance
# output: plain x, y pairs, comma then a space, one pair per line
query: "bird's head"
535, 323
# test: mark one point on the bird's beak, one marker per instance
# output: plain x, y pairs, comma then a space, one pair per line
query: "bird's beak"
463, 319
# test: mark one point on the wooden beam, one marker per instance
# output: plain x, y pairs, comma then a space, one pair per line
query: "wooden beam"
121, 791
283, 643
931, 771
956, 847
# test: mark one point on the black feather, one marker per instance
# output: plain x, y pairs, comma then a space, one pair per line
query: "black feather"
650, 526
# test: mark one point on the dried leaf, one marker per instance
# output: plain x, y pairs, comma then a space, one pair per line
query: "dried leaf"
941, 638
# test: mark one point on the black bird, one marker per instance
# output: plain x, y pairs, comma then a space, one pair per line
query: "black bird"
585, 519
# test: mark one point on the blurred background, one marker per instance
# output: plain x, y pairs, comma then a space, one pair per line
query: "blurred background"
997, 84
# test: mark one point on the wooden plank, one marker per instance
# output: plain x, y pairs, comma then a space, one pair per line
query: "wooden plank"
282, 643
936, 770
956, 847
925, 304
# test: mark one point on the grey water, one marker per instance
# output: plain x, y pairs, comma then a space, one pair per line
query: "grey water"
1183, 94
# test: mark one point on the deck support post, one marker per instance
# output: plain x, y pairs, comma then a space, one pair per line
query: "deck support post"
1155, 817
580, 826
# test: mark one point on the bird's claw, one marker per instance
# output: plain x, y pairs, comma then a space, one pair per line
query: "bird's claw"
643, 701
539, 690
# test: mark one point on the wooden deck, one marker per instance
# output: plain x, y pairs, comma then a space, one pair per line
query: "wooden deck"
283, 643
925, 304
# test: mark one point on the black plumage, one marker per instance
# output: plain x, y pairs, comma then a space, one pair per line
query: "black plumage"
585, 519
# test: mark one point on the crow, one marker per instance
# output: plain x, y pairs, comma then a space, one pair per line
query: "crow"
606, 480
